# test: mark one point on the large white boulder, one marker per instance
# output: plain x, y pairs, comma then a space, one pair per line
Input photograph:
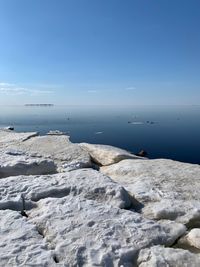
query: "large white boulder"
58, 148
107, 155
12, 164
87, 233
85, 182
159, 256
21, 244
167, 189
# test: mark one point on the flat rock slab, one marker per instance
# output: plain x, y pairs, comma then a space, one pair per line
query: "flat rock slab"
12, 164
21, 244
58, 148
8, 137
168, 189
159, 256
86, 233
107, 155
86, 182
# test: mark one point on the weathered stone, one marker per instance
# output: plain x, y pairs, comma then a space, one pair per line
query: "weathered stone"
194, 237
168, 189
86, 182
12, 164
21, 244
8, 137
86, 233
79, 217
159, 256
107, 155
58, 148
191, 239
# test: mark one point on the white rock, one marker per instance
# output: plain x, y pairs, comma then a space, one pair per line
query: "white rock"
86, 182
12, 164
107, 155
57, 148
192, 238
8, 137
21, 244
168, 189
87, 233
81, 213
159, 256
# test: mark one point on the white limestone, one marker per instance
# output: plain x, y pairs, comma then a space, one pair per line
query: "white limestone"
86, 233
80, 217
86, 182
159, 256
8, 137
21, 244
194, 237
168, 189
57, 148
191, 239
14, 163
106, 155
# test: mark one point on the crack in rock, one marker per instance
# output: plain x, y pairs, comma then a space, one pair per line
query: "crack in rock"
85, 182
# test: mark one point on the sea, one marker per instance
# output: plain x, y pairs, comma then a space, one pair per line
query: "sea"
171, 132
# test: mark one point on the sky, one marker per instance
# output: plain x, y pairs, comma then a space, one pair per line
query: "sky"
100, 52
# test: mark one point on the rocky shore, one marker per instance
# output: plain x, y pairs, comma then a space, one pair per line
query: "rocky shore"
67, 204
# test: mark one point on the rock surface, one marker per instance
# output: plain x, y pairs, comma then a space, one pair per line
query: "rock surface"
167, 189
21, 244
12, 164
92, 234
86, 182
82, 218
191, 240
65, 154
107, 155
8, 137
159, 256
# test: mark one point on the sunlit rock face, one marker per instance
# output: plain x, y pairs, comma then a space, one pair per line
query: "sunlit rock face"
167, 189
66, 155
107, 155
87, 183
14, 163
167, 257
92, 234
8, 137
56, 210
21, 244
191, 240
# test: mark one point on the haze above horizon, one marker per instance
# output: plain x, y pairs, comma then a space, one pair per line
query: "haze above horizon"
100, 52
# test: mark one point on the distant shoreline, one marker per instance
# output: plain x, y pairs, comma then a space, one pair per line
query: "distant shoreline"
39, 105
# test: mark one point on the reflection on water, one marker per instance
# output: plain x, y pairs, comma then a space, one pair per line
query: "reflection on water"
164, 131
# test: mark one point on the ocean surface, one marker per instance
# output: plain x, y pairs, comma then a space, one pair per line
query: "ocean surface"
163, 131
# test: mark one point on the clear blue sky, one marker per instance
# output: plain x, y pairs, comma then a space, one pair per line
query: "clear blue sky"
100, 51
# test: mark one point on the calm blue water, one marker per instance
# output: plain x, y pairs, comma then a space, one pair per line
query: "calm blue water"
175, 132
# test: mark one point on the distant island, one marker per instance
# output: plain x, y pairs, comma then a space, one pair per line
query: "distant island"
40, 105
